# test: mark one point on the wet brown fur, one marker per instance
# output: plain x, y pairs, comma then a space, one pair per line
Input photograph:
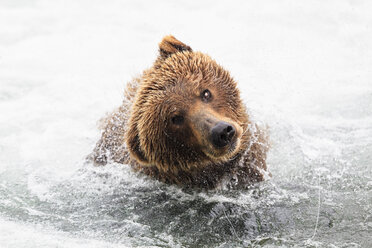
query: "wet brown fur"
139, 132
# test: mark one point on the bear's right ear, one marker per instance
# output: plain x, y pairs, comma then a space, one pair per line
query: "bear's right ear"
134, 147
170, 45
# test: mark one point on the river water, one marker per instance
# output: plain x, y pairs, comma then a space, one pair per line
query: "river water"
304, 69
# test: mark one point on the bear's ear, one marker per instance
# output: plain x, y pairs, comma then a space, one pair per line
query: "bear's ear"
134, 146
170, 45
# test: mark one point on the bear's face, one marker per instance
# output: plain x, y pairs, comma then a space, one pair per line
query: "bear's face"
187, 112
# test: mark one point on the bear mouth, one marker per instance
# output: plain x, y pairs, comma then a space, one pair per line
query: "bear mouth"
222, 153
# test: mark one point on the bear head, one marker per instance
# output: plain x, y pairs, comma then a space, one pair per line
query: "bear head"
187, 112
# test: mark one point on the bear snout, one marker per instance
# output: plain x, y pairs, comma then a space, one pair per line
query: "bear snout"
222, 134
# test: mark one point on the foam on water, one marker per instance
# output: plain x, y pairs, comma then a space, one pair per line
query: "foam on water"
303, 69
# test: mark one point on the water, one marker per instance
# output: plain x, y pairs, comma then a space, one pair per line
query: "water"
303, 69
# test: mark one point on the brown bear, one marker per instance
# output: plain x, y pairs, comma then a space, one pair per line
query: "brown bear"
183, 122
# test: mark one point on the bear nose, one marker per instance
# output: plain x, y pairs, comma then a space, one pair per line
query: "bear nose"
222, 134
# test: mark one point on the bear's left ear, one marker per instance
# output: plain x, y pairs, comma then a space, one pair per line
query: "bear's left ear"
170, 45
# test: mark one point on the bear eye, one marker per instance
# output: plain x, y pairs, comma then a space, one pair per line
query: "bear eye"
206, 96
178, 120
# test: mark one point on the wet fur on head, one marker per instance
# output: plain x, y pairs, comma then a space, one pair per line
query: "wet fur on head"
176, 78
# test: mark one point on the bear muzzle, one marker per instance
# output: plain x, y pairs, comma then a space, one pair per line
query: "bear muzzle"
222, 134
218, 136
